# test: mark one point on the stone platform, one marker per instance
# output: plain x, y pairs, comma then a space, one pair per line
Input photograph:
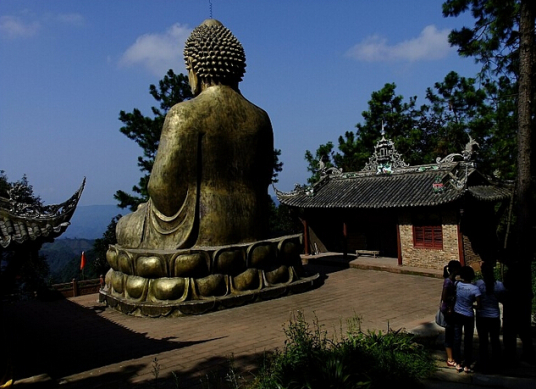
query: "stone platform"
198, 280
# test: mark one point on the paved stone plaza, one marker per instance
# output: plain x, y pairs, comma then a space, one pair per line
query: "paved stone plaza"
81, 344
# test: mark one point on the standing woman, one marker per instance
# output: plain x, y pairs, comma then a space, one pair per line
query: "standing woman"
464, 318
488, 321
448, 298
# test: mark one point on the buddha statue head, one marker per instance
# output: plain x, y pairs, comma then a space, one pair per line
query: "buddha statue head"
213, 56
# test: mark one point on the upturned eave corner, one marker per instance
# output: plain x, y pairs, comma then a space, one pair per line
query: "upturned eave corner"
21, 222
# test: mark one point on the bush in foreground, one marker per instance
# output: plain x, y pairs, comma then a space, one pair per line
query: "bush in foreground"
358, 360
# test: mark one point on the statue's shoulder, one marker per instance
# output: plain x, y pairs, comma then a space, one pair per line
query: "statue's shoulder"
186, 104
184, 109
251, 107
219, 98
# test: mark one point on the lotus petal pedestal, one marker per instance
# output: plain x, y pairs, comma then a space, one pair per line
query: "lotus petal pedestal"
201, 279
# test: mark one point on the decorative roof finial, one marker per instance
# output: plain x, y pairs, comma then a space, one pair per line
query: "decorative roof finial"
385, 157
465, 154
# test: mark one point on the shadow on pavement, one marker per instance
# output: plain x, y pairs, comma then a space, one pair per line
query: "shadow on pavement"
60, 338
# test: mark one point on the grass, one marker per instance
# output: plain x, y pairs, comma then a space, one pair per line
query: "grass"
353, 359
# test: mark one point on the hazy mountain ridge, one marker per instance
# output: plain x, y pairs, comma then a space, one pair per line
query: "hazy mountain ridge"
87, 224
62, 251
90, 221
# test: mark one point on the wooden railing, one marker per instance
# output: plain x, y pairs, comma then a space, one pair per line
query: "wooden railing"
80, 288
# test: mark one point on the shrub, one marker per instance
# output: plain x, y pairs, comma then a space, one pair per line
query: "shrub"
358, 360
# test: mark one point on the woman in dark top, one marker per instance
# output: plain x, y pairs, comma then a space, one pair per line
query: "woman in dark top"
448, 298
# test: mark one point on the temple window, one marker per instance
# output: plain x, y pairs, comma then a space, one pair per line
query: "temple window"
428, 232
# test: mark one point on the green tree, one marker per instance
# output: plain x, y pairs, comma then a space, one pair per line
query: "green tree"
503, 39
4, 185
283, 221
415, 130
400, 121
455, 108
459, 107
325, 154
94, 268
386, 108
503, 150
20, 191
278, 166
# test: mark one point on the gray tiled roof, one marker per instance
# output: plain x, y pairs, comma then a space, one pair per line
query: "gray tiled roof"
490, 192
413, 187
22, 222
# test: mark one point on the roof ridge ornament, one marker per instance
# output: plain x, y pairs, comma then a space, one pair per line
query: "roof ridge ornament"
385, 158
327, 171
465, 154
459, 179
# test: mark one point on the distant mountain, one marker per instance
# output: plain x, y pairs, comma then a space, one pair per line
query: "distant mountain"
90, 221
63, 251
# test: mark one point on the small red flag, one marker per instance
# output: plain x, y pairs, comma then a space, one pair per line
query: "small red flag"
83, 261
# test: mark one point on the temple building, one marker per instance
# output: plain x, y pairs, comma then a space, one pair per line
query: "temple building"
23, 230
424, 215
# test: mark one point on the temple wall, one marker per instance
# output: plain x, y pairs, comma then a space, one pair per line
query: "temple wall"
429, 258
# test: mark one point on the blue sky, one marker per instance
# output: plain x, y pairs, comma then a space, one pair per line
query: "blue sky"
68, 67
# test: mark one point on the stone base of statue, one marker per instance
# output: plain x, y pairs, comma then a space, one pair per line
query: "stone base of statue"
158, 283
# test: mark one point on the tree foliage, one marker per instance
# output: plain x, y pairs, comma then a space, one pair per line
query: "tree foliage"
325, 154
385, 108
4, 185
454, 109
388, 109
20, 191
485, 107
503, 39
462, 107
283, 221
493, 40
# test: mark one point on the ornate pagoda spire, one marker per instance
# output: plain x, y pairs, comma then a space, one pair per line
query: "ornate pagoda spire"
385, 157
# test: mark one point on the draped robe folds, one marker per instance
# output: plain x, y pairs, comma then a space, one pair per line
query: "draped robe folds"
209, 183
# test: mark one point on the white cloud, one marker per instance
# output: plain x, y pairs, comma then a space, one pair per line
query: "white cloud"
14, 27
431, 44
158, 52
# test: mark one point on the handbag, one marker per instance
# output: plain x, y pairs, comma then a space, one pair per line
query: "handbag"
440, 319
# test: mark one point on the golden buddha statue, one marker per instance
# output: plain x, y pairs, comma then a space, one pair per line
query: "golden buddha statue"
209, 183
203, 233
